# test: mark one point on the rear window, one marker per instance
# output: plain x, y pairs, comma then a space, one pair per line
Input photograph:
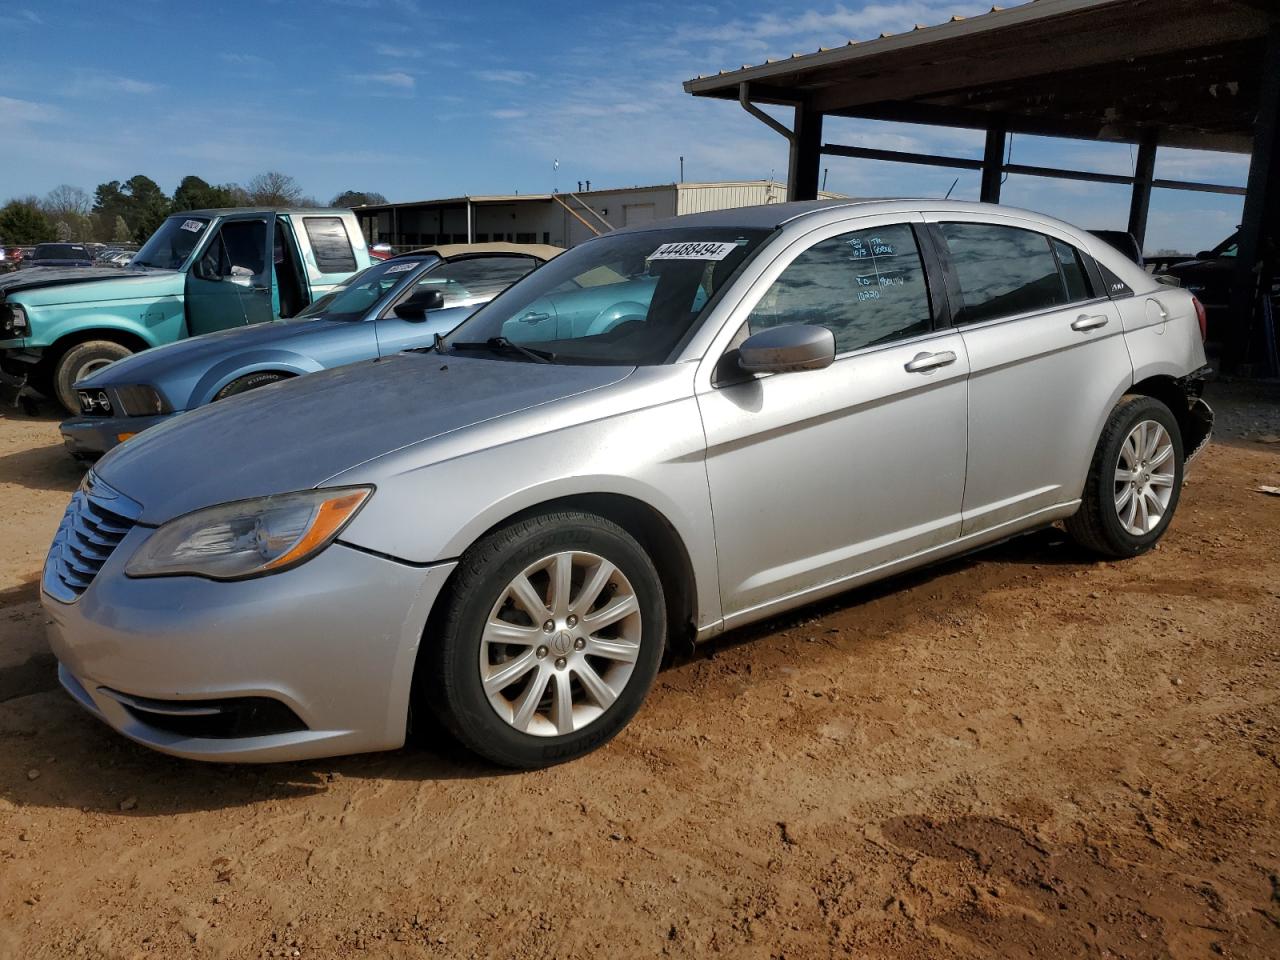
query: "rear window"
61, 251
1003, 271
330, 243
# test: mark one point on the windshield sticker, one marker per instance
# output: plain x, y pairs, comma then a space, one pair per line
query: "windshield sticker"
402, 267
693, 251
195, 226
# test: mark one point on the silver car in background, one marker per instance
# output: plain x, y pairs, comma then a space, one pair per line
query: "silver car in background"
667, 432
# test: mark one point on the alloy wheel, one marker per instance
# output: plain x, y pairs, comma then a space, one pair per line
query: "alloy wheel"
560, 643
1144, 478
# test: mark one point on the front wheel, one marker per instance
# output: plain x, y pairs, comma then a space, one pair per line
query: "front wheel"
554, 633
78, 363
1134, 480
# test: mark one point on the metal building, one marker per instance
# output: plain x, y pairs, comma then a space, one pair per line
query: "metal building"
1185, 73
564, 219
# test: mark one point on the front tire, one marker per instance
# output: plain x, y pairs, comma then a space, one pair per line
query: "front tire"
79, 362
553, 636
1134, 481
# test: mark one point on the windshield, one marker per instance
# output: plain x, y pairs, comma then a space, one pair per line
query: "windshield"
355, 298
626, 299
171, 245
60, 251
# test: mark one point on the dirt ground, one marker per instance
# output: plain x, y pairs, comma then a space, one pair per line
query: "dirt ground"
1022, 753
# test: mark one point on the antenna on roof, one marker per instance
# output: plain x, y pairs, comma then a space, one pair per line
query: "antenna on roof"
952, 187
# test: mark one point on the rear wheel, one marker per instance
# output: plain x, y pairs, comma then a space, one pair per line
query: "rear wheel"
553, 637
79, 362
1134, 481
250, 382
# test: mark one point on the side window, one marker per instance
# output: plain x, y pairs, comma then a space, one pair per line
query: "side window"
237, 252
1073, 273
330, 243
867, 287
1002, 271
479, 278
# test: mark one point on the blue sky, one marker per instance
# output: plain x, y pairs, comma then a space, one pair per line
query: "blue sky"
418, 99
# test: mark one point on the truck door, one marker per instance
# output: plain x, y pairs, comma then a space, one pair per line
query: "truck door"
229, 284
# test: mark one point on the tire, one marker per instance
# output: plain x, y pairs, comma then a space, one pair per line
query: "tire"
1107, 518
250, 382
489, 721
78, 362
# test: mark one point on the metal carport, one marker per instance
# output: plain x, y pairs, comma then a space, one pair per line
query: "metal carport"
1202, 74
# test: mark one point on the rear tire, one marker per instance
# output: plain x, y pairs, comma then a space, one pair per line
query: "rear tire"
250, 382
79, 362
525, 696
1134, 481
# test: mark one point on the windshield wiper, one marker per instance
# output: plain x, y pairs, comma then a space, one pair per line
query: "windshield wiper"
501, 344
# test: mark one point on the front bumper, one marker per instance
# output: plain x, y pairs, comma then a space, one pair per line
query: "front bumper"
88, 437
334, 641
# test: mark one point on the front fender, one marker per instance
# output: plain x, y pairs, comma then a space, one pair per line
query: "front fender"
153, 321
241, 364
433, 512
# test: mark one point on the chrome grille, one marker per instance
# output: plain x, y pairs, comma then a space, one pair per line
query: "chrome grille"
97, 519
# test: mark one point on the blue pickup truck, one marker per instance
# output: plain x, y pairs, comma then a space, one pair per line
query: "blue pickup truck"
202, 271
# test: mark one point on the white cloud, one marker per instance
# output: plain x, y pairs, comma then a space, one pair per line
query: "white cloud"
393, 79
505, 76
508, 114
25, 111
387, 50
241, 58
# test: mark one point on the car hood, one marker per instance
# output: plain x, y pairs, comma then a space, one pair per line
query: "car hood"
159, 363
299, 433
51, 285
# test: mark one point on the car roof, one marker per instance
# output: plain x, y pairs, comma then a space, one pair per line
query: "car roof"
770, 216
235, 211
451, 251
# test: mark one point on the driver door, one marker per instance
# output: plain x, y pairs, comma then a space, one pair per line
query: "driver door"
819, 476
229, 284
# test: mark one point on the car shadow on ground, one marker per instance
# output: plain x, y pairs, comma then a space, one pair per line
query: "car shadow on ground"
103, 770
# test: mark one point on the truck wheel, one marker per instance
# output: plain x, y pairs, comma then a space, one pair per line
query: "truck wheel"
1134, 480
250, 382
80, 361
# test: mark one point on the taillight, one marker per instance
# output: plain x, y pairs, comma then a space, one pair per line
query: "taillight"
1201, 318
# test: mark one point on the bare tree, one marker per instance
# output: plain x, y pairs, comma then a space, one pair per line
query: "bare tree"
69, 208
65, 200
273, 189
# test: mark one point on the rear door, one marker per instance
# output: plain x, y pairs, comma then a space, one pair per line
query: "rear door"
466, 285
229, 284
1047, 355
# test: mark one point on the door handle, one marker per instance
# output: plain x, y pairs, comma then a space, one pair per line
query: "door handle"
1087, 322
259, 289
535, 317
924, 362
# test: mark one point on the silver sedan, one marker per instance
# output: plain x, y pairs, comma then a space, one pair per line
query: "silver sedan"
665, 433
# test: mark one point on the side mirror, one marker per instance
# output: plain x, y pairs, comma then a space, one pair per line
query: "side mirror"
783, 349
1205, 255
416, 307
206, 269
1168, 279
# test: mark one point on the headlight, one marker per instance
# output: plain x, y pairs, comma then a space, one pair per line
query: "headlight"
13, 319
141, 400
249, 538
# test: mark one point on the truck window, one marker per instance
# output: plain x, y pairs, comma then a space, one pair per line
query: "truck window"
330, 243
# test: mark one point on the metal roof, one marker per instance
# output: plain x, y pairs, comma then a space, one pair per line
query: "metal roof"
1102, 69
